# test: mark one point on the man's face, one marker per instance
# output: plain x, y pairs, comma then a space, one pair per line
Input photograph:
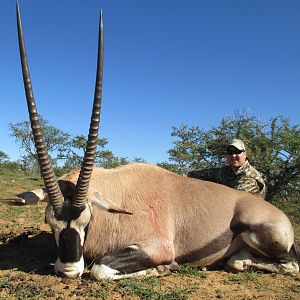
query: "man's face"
235, 157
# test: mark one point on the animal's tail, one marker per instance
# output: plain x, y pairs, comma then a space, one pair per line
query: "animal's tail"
295, 251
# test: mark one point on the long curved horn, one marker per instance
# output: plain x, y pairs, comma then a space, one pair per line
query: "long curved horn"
55, 196
89, 156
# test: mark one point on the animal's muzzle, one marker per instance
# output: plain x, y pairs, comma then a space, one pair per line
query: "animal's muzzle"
69, 270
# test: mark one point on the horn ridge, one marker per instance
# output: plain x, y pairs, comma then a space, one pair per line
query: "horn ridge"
87, 165
46, 168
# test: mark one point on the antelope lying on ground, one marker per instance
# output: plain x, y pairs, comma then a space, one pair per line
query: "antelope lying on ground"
140, 219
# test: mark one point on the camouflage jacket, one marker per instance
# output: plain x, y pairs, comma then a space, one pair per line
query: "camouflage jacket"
246, 178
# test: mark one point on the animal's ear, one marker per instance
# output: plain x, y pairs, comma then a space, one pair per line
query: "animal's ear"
97, 199
67, 188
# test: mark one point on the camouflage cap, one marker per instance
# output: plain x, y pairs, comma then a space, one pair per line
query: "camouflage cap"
239, 144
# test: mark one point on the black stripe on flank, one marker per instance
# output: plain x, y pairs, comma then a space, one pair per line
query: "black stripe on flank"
126, 260
70, 249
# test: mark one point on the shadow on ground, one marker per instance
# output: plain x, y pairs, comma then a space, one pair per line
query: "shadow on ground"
30, 252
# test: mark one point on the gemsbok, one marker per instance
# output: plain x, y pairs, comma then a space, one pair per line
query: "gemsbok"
140, 219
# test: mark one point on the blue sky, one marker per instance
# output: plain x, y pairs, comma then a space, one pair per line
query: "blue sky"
167, 63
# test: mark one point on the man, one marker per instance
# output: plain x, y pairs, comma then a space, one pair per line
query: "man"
239, 174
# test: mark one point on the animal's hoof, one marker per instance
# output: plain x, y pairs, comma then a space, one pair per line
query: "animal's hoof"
289, 268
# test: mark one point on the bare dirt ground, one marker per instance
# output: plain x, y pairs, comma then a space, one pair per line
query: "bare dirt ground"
27, 254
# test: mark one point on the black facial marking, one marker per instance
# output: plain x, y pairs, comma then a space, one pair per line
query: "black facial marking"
67, 212
70, 249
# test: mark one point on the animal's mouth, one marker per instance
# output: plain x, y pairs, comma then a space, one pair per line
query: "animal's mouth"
69, 270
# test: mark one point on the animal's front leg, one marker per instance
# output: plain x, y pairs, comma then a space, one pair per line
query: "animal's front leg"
131, 262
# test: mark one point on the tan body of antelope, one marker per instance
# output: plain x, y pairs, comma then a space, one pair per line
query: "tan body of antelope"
140, 219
